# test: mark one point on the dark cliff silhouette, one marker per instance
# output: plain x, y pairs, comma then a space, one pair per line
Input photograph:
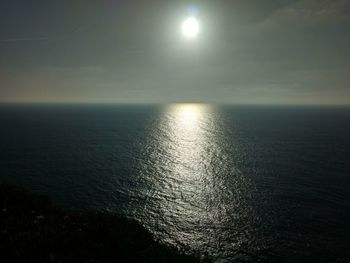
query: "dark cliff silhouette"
32, 229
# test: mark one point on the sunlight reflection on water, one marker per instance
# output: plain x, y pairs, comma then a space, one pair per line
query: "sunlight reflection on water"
188, 200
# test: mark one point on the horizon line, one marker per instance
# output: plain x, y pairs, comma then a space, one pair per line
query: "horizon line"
168, 103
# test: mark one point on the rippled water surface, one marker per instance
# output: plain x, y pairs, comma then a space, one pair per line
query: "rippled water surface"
235, 183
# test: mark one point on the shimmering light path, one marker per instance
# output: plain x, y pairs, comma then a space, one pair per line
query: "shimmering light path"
190, 200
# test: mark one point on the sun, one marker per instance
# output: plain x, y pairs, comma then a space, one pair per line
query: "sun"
190, 27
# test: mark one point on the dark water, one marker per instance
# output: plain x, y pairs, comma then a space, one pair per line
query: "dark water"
236, 183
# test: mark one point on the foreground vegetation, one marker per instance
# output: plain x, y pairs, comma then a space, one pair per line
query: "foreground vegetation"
32, 229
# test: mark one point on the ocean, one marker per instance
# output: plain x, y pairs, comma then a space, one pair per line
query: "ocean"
234, 183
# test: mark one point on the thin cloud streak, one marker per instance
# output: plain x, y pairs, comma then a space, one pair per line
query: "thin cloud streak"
24, 39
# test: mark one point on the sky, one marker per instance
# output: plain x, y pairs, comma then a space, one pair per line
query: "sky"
128, 51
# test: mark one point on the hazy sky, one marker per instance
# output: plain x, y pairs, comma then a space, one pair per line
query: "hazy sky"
249, 51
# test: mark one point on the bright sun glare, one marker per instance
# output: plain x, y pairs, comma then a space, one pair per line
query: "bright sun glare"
190, 27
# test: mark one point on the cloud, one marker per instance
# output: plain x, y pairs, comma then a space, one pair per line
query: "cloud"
311, 12
325, 9
24, 39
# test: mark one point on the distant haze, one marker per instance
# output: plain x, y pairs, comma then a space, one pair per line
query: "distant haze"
248, 51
